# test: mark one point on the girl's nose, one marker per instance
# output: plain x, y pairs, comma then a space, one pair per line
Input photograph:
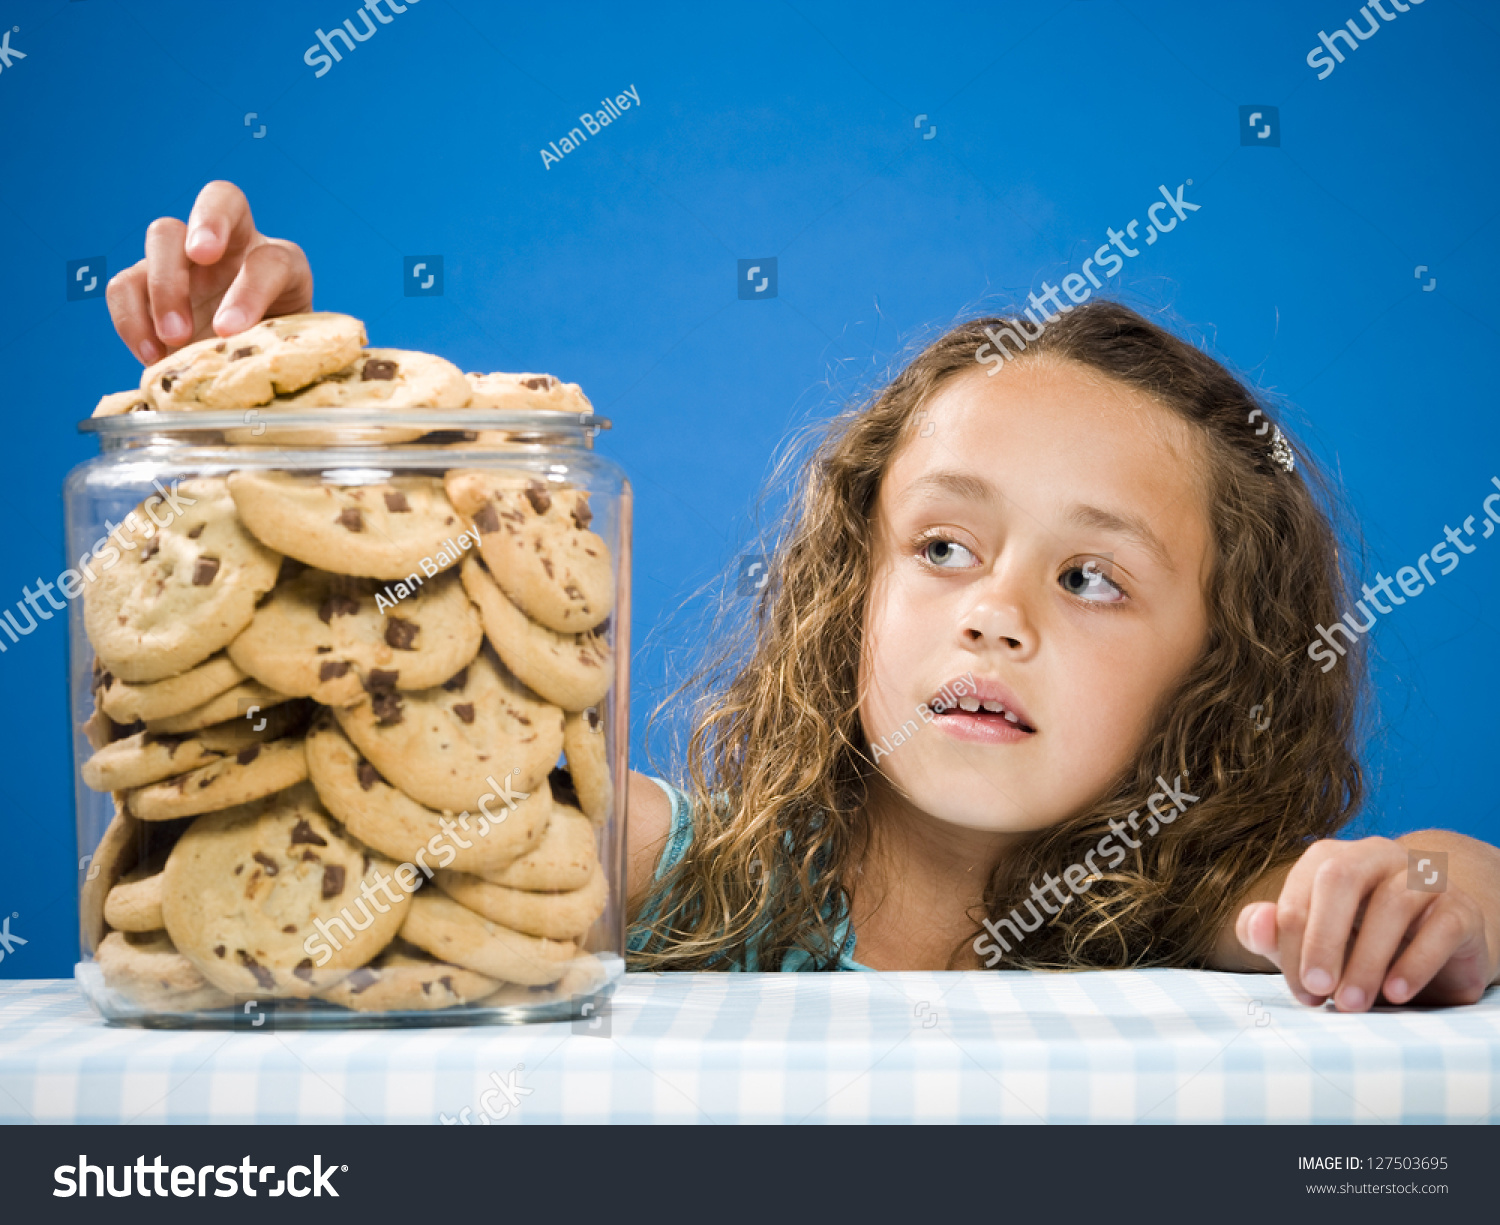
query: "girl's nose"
999, 617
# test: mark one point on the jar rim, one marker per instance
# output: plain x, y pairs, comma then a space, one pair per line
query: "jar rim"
432, 420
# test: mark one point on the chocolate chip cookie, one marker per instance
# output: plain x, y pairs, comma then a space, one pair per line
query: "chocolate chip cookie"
185, 584
147, 969
503, 823
274, 898
526, 392
450, 932
559, 914
534, 537
570, 670
276, 356
125, 702
251, 773
404, 978
400, 529
336, 639
443, 745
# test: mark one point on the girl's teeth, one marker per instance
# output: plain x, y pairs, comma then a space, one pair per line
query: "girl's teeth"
968, 703
1010, 718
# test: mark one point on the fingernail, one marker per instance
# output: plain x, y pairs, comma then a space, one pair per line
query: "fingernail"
199, 235
1396, 990
231, 320
1319, 982
173, 325
151, 352
1351, 999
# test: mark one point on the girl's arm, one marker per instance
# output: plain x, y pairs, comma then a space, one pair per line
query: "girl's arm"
1415, 919
648, 821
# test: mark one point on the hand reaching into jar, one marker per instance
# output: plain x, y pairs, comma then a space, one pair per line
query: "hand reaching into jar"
216, 274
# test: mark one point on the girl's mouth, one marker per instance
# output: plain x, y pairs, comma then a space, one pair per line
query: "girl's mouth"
983, 723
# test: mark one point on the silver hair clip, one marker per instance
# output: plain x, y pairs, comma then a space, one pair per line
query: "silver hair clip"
1281, 450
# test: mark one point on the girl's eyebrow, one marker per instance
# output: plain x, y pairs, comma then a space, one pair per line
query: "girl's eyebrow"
976, 488
1132, 527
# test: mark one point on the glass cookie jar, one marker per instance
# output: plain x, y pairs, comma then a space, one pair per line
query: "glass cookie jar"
351, 699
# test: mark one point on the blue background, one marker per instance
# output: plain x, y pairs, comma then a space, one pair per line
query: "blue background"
786, 131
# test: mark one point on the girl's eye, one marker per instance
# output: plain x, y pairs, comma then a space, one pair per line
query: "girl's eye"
1089, 582
945, 549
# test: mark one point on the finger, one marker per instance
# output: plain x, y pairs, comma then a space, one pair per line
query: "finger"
1392, 910
130, 310
1339, 887
167, 270
220, 223
1441, 935
1291, 921
274, 278
1256, 930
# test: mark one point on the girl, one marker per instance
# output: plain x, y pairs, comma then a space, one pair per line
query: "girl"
1028, 686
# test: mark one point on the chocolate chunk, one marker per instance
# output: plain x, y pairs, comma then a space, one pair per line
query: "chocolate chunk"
205, 782
367, 774
129, 729
150, 548
304, 969
303, 832
561, 783
289, 928
362, 979
594, 718
547, 566
401, 634
247, 351
457, 681
337, 605
333, 880
396, 503
290, 569
332, 669
219, 950
167, 380
582, 515
602, 628
378, 368
246, 756
381, 678
350, 518
266, 862
465, 711
572, 592
262, 975
486, 520
204, 571
219, 348
197, 531
544, 383
537, 495
387, 707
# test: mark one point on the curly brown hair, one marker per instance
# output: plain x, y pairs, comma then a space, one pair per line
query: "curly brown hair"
777, 759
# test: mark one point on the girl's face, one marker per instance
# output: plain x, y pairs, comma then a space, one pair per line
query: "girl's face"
1047, 531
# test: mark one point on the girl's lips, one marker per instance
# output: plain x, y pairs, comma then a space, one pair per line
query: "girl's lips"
980, 727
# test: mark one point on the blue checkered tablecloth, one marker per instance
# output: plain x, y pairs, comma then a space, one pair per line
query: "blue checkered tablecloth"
1166, 1046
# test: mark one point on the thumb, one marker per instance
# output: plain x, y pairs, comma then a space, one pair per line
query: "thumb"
1256, 930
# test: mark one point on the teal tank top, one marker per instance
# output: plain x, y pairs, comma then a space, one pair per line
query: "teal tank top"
680, 835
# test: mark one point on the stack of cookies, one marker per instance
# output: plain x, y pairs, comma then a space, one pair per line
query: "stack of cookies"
330, 706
